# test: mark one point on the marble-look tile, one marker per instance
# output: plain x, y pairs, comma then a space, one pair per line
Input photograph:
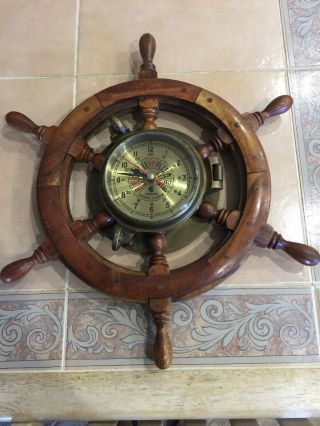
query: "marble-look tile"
31, 331
247, 91
305, 87
205, 36
224, 326
46, 101
37, 37
302, 28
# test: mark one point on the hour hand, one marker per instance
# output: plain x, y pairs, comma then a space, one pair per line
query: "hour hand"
134, 173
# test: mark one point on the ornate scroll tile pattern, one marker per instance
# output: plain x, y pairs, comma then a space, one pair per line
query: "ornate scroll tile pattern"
258, 326
302, 31
302, 22
30, 331
306, 90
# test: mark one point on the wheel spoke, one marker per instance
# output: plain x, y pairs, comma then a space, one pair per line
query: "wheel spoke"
222, 217
85, 229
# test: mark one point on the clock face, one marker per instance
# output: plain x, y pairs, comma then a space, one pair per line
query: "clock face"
152, 180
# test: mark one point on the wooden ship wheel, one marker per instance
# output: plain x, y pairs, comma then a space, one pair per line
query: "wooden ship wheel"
153, 189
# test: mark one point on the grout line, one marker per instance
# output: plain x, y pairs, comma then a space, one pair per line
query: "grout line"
162, 73
316, 313
74, 102
76, 55
284, 35
65, 322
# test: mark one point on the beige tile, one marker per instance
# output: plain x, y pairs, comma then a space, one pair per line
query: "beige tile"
37, 37
45, 101
192, 36
247, 91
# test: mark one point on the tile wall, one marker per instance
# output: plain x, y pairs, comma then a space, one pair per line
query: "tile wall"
56, 54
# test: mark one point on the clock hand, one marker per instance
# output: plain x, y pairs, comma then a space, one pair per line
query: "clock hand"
140, 169
130, 174
158, 182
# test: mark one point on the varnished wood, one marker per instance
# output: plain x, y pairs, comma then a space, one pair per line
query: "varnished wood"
162, 348
149, 107
101, 273
84, 229
157, 263
247, 141
222, 217
302, 253
82, 152
278, 106
147, 46
21, 122
155, 284
18, 269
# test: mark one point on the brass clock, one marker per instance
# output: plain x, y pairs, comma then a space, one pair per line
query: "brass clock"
154, 190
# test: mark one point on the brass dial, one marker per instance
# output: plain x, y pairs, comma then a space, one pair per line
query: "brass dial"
152, 180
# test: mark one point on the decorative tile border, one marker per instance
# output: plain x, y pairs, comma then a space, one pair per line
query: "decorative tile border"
31, 329
305, 87
302, 26
217, 328
302, 31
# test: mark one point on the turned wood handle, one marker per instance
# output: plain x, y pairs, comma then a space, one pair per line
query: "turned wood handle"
162, 348
300, 252
21, 122
18, 269
278, 106
268, 238
147, 46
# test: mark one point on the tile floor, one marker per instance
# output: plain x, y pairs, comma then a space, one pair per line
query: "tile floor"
247, 52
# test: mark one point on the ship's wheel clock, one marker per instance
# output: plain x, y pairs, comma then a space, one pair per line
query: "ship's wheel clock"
154, 189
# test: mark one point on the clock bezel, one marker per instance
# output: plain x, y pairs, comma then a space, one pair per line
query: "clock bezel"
194, 199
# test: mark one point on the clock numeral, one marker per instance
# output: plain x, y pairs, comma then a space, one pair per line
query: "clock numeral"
182, 177
151, 209
123, 195
150, 149
135, 154
118, 180
124, 164
167, 205
178, 163
135, 205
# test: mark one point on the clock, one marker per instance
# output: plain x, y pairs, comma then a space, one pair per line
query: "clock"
154, 190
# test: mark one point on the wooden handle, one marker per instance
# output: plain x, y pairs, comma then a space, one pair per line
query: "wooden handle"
147, 46
162, 348
18, 269
278, 106
21, 122
24, 124
302, 253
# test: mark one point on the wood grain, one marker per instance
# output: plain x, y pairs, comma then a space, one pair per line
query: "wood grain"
143, 393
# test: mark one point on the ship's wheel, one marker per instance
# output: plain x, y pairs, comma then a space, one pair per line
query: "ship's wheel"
153, 190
